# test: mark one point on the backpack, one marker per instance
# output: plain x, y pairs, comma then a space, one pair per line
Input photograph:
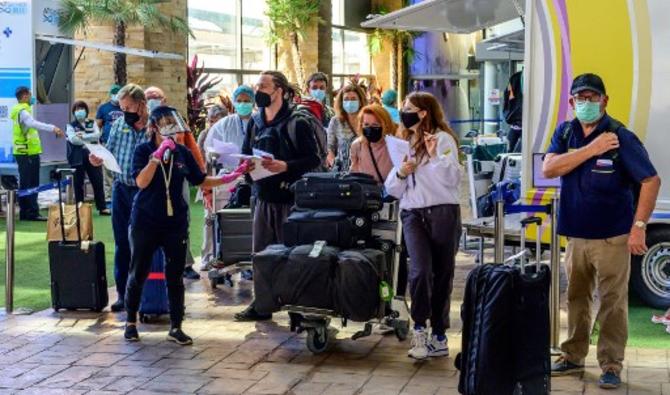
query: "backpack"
614, 126
302, 112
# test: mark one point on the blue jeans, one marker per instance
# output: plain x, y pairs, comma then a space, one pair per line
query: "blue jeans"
122, 203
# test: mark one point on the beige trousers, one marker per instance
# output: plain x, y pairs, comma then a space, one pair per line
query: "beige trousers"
604, 263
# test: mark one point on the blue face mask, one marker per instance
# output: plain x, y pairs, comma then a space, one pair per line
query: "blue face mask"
351, 106
80, 115
588, 112
244, 109
152, 104
318, 94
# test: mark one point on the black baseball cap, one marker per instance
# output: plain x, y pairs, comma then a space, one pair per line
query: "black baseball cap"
588, 82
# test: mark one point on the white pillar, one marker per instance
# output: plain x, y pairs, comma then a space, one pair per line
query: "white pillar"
490, 111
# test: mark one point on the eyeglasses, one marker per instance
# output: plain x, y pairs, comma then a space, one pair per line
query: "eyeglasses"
584, 99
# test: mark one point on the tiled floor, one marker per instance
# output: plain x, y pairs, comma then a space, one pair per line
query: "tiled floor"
77, 353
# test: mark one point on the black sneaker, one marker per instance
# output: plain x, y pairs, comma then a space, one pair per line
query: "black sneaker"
250, 314
609, 380
118, 306
564, 367
191, 274
130, 334
178, 336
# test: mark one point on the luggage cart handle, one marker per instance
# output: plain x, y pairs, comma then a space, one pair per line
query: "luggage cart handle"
531, 221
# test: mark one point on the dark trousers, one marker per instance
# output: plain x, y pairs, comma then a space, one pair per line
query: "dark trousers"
122, 202
143, 245
29, 177
268, 221
432, 236
95, 176
514, 140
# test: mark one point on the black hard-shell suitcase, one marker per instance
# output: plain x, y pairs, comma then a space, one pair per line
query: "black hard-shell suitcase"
235, 235
78, 277
358, 277
341, 191
486, 349
506, 335
334, 227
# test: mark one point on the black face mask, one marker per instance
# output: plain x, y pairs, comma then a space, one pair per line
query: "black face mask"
263, 99
131, 118
409, 119
373, 133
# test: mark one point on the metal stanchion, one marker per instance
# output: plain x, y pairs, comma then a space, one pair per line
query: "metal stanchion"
554, 304
69, 189
9, 253
499, 230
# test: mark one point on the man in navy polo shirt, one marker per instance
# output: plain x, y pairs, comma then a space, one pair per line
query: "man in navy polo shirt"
601, 165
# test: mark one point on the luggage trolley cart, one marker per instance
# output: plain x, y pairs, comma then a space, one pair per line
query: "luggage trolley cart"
235, 224
387, 234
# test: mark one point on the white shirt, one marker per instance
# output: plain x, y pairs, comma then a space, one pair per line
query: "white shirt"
434, 182
27, 121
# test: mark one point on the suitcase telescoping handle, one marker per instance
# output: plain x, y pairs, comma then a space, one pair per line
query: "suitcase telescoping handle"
59, 177
538, 242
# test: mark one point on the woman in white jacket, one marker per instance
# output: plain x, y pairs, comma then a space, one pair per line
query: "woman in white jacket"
427, 185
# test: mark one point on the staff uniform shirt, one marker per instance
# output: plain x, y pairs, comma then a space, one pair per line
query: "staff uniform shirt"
597, 196
435, 181
150, 205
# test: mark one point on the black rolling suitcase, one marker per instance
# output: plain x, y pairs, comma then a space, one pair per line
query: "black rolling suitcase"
335, 227
341, 191
78, 278
506, 335
235, 235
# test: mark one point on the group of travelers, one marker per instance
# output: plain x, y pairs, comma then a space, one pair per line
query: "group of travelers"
598, 159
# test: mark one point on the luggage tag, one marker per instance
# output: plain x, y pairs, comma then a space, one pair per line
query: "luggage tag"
85, 245
385, 291
317, 248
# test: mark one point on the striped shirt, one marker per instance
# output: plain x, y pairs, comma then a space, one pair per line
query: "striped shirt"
122, 143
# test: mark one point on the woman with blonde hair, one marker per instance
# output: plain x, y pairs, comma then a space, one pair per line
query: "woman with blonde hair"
427, 185
368, 152
343, 128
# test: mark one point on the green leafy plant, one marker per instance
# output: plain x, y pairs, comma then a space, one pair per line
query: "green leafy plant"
290, 19
78, 15
401, 46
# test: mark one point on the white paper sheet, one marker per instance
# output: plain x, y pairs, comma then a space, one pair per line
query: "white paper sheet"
259, 171
225, 150
398, 149
108, 159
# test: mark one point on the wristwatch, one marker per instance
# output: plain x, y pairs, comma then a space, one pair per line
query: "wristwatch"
640, 224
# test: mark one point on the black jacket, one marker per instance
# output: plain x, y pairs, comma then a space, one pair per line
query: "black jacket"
272, 137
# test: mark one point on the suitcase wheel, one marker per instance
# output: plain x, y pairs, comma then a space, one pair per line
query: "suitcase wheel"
402, 330
317, 339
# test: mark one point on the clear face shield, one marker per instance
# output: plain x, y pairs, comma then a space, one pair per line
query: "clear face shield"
168, 122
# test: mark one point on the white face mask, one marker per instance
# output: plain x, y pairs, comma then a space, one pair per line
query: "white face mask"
169, 130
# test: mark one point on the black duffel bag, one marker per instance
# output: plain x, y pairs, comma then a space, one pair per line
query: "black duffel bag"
357, 284
340, 191
335, 227
267, 265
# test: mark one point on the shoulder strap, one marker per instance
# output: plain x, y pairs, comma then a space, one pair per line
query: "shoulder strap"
374, 162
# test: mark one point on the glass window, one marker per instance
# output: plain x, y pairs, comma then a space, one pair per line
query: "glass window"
230, 34
350, 52
215, 27
338, 12
256, 53
226, 87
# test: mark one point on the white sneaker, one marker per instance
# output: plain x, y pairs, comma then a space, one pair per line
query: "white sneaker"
661, 319
438, 348
419, 348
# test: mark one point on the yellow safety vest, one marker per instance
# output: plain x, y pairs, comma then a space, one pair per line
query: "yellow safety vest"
26, 142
